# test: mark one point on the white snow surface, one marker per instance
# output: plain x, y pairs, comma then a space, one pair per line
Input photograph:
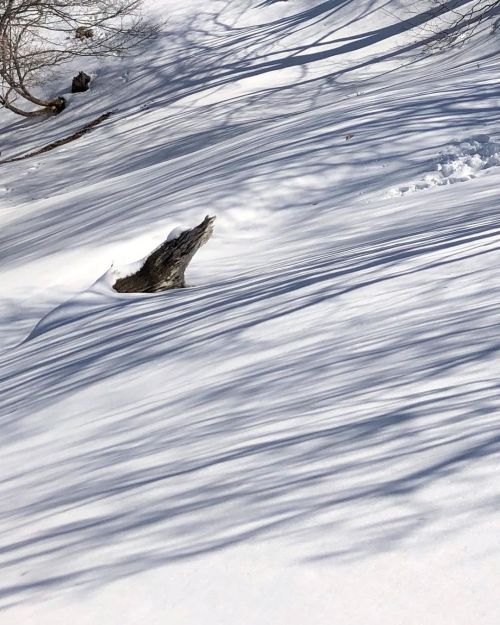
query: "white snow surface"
310, 432
176, 232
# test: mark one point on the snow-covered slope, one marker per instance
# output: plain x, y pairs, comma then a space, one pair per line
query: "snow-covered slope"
310, 432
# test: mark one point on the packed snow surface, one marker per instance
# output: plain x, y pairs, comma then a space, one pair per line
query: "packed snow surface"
310, 432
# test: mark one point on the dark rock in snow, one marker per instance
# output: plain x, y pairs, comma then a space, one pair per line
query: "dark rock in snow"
80, 83
83, 32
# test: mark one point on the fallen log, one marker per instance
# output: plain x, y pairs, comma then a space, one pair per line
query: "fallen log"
164, 268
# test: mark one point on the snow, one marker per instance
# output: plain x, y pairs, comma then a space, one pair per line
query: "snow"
308, 433
458, 163
176, 232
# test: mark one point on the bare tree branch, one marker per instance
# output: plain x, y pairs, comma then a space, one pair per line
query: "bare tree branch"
37, 36
453, 22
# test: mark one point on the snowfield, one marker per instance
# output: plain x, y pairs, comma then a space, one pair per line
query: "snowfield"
309, 433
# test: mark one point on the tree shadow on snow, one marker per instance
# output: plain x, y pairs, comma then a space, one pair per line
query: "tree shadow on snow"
333, 418
323, 435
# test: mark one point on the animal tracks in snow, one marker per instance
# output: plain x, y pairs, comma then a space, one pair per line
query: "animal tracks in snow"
462, 161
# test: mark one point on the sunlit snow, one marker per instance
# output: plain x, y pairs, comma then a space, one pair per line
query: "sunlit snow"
309, 434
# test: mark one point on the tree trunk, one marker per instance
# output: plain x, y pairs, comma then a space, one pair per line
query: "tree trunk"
54, 107
165, 266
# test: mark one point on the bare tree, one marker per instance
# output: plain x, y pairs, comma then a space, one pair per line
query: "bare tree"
39, 36
452, 22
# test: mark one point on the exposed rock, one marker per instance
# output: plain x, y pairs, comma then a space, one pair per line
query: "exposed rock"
80, 83
84, 32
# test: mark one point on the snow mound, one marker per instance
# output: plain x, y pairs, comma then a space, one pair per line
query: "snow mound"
461, 162
176, 232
